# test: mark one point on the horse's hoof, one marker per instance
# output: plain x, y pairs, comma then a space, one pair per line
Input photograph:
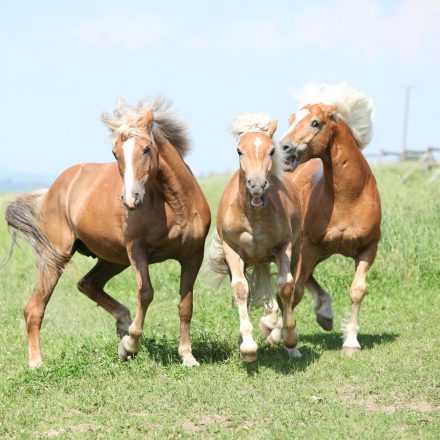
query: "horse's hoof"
325, 323
35, 364
274, 337
248, 357
293, 352
189, 361
264, 329
351, 351
123, 354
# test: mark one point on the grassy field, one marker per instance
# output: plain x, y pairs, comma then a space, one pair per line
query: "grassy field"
391, 390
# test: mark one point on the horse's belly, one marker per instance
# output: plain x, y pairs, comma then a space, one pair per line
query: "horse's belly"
343, 241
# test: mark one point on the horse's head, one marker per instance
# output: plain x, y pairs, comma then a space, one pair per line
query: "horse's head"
256, 152
137, 158
308, 134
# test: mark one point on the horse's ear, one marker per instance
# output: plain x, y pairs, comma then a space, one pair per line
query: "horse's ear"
291, 119
146, 120
329, 110
272, 128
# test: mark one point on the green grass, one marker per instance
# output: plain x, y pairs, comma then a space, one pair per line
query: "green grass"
390, 390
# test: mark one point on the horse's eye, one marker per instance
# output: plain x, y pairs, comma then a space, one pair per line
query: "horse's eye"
147, 149
115, 154
315, 123
272, 152
239, 152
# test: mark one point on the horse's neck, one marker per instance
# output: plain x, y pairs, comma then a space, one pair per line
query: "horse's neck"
346, 171
173, 176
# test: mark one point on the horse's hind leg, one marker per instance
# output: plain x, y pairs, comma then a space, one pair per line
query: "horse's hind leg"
34, 311
358, 288
322, 304
190, 269
93, 284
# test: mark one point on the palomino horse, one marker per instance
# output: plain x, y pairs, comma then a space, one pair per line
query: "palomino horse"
259, 222
166, 216
339, 198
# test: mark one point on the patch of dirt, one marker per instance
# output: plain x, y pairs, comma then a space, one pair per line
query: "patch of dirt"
371, 404
204, 421
71, 429
73, 413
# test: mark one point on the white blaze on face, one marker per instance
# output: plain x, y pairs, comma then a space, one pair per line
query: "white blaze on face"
298, 118
128, 149
257, 143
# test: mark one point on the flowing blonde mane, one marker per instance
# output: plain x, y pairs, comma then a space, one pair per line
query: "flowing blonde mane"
254, 123
124, 121
355, 108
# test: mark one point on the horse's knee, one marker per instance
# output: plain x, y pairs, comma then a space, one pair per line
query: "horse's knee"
33, 314
357, 291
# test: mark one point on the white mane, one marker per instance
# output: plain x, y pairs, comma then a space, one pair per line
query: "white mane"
250, 123
124, 121
254, 123
355, 108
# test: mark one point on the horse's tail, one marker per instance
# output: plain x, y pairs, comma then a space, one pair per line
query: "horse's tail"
260, 284
215, 264
21, 217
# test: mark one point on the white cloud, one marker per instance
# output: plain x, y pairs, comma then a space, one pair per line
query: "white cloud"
128, 31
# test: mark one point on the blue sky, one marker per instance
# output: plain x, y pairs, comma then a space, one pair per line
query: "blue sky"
63, 63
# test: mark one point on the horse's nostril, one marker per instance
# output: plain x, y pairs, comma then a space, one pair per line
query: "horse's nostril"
285, 147
136, 195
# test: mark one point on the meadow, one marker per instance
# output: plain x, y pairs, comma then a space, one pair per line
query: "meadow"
391, 390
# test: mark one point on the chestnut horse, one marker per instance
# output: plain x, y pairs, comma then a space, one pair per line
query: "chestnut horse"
259, 222
339, 197
166, 216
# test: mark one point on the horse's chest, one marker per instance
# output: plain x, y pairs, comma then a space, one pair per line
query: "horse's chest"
257, 245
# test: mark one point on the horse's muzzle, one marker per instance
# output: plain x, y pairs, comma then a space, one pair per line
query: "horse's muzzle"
292, 155
133, 202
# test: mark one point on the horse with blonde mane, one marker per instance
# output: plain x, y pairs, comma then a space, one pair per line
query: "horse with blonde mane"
163, 215
259, 222
339, 197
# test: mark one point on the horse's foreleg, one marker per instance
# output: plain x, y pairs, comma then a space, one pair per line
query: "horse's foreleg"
129, 344
92, 285
190, 269
286, 287
322, 304
357, 292
240, 288
34, 311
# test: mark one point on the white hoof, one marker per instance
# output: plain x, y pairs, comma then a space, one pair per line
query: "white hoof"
125, 349
34, 364
248, 349
189, 361
351, 341
293, 352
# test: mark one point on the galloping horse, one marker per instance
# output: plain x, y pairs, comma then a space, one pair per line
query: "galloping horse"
259, 222
166, 216
339, 198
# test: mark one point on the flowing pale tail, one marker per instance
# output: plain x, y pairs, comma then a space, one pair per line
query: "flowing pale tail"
21, 217
258, 276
